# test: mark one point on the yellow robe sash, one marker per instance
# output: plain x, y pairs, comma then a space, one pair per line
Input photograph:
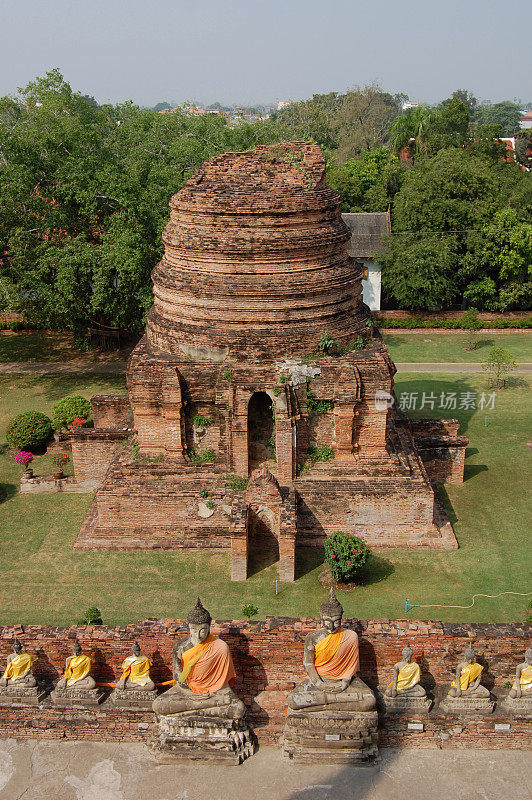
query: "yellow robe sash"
137, 669
468, 675
408, 676
525, 679
77, 669
18, 667
326, 649
193, 655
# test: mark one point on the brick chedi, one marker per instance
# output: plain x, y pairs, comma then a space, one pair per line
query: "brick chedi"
230, 383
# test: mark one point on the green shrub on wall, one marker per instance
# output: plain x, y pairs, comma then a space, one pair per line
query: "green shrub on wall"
29, 430
69, 408
346, 555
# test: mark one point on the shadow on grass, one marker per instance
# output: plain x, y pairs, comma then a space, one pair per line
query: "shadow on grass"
7, 491
420, 392
441, 492
263, 552
308, 559
377, 569
470, 470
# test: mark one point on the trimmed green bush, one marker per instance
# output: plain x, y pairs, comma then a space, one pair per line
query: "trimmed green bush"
411, 323
346, 555
29, 430
66, 410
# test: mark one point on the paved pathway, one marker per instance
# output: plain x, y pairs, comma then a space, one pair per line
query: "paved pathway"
455, 366
42, 770
54, 367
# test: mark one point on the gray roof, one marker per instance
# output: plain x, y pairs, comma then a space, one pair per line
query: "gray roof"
367, 230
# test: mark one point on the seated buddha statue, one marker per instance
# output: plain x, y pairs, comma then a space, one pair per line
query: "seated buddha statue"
468, 674
76, 675
406, 676
331, 661
523, 678
136, 672
18, 669
204, 673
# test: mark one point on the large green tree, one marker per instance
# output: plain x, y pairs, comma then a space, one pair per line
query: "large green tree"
84, 193
443, 218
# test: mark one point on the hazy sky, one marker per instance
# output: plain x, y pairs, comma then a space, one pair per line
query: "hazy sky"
251, 51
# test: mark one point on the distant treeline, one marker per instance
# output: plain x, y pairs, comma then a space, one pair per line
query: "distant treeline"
84, 192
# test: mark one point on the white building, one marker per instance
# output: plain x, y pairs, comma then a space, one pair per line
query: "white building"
368, 237
526, 121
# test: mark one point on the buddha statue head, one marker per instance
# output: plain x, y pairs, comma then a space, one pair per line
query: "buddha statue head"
199, 623
469, 655
76, 648
17, 647
331, 613
407, 654
136, 649
528, 655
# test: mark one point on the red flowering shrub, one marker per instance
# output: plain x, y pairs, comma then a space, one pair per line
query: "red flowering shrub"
60, 459
29, 430
346, 555
78, 422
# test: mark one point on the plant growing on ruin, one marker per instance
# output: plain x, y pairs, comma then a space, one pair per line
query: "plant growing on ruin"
200, 421
29, 430
206, 456
69, 408
327, 344
250, 610
135, 447
227, 374
358, 344
236, 483
210, 504
204, 493
346, 555
316, 406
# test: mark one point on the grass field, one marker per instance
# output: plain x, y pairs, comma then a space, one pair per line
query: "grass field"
42, 580
425, 346
442, 347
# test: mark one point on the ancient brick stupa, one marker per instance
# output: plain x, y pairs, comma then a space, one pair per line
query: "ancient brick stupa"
260, 365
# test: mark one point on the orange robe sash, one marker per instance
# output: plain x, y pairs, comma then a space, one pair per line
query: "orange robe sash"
207, 667
18, 666
468, 675
336, 656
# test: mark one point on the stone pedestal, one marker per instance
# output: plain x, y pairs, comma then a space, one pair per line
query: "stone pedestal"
467, 705
519, 706
183, 737
331, 737
20, 695
405, 702
77, 698
133, 698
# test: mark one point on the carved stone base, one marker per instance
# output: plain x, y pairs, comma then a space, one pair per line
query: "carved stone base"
22, 695
405, 702
467, 705
133, 698
183, 737
331, 737
519, 706
77, 698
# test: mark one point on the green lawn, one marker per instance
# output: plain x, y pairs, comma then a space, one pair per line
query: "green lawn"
443, 347
43, 580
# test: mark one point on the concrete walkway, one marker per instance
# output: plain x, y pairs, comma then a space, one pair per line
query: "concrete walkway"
114, 367
42, 770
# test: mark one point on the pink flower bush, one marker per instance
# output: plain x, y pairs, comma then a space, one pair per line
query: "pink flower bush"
24, 457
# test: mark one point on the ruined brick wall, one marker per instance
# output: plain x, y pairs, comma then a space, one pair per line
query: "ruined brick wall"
268, 660
441, 448
111, 411
92, 452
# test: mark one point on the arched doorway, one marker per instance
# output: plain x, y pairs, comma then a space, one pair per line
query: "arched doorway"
261, 431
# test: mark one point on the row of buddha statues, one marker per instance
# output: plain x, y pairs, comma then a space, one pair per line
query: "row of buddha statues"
329, 705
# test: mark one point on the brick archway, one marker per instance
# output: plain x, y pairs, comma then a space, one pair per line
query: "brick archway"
261, 431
